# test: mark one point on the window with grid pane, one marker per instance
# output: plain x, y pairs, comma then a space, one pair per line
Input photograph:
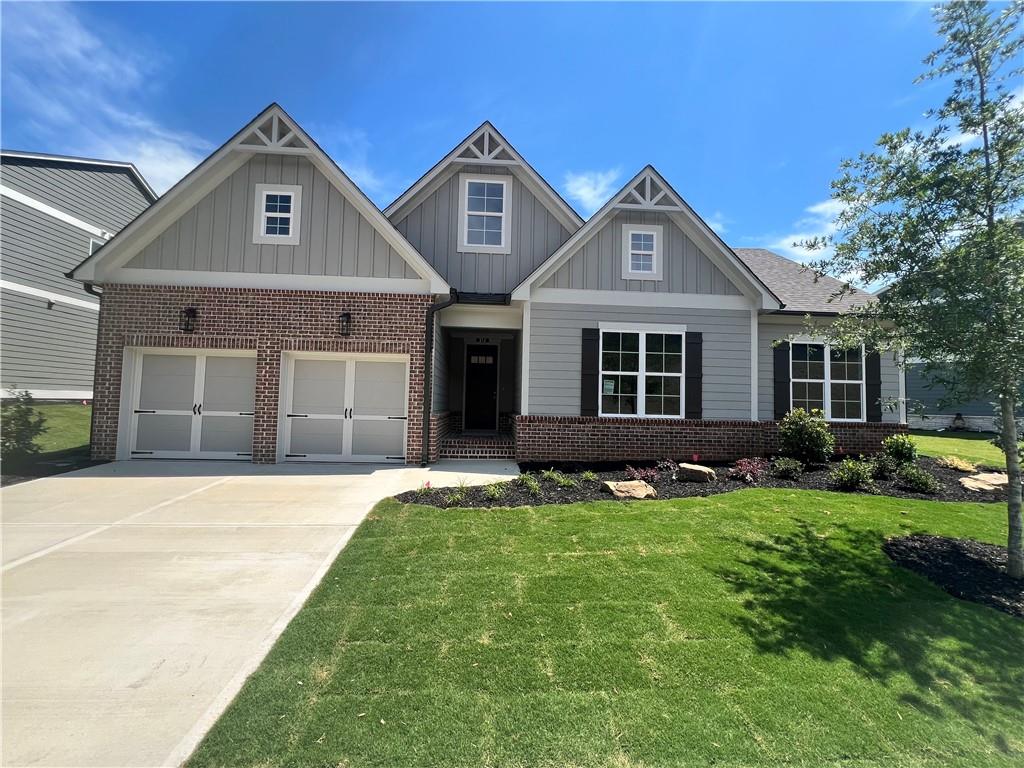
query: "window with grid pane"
641, 252
641, 373
276, 219
485, 208
829, 380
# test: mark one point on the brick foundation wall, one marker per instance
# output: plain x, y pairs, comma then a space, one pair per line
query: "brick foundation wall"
439, 429
267, 321
580, 438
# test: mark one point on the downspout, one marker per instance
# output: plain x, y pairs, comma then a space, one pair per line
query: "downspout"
428, 373
91, 290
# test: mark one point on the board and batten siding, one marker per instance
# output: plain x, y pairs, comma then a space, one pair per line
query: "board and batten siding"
769, 331
597, 265
46, 349
433, 229
106, 197
556, 345
216, 234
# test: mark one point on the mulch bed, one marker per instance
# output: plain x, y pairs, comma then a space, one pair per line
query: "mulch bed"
516, 494
967, 569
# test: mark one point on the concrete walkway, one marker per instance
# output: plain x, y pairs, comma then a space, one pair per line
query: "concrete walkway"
137, 597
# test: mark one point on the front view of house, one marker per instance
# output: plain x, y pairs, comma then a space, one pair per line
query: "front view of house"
265, 309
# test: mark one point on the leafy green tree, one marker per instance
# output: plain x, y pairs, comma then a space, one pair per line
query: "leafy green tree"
20, 426
939, 216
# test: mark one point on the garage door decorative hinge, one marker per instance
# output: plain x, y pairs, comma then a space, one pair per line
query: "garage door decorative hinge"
398, 418
295, 455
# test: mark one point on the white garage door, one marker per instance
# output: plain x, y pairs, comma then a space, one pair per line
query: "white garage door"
345, 408
193, 405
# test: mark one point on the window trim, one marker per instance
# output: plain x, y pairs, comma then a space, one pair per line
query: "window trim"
827, 382
641, 373
259, 236
628, 230
464, 245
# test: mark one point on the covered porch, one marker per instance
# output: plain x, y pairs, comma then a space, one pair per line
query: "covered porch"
477, 367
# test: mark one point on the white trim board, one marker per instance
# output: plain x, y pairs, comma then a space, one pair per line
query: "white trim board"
480, 316
56, 298
141, 276
55, 213
639, 299
56, 394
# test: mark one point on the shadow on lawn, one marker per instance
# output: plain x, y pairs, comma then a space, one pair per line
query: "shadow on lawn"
834, 595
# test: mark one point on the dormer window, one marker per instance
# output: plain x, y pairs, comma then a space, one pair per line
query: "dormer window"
641, 252
276, 218
484, 214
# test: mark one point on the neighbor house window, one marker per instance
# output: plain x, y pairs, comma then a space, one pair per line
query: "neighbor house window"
641, 252
484, 214
276, 219
828, 379
642, 372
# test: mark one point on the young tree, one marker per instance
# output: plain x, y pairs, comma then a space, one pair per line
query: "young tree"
939, 216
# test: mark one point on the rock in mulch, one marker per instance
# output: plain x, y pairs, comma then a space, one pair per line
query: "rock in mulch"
695, 473
967, 569
985, 481
631, 489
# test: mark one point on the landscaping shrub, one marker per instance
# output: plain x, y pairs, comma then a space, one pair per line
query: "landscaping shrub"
647, 474
589, 475
668, 467
494, 491
750, 471
20, 425
454, 497
852, 475
955, 462
424, 490
884, 466
531, 483
900, 448
806, 436
915, 479
787, 468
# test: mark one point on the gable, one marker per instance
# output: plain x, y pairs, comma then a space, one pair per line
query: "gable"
216, 234
597, 263
432, 224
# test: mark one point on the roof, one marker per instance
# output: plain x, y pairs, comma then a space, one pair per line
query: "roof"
72, 160
795, 284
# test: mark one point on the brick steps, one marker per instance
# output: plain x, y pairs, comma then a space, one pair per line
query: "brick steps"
459, 446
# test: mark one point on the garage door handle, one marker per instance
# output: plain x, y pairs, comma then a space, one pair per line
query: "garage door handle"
298, 415
137, 411
194, 406
200, 409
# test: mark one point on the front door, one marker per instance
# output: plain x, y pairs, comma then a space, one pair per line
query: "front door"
481, 387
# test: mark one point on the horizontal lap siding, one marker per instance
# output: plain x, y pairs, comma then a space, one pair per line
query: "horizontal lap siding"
769, 331
555, 354
216, 235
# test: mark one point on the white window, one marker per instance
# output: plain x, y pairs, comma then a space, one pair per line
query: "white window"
827, 379
484, 214
641, 252
642, 371
276, 219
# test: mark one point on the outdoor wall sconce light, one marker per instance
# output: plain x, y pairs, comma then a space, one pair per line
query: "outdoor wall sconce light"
345, 323
187, 319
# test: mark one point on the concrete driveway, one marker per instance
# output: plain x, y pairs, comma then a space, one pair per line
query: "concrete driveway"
137, 597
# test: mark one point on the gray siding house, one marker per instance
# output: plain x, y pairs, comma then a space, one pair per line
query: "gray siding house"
54, 212
264, 309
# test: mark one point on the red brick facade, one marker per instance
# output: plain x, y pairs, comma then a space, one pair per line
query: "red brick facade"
267, 321
581, 438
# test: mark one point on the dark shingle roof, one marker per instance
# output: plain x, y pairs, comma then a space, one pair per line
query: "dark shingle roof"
796, 287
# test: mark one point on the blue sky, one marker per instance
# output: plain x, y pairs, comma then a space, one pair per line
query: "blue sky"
747, 109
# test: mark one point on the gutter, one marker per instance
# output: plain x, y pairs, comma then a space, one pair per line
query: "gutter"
428, 373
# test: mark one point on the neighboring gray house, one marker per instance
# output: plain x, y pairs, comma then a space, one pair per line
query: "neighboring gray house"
55, 211
265, 309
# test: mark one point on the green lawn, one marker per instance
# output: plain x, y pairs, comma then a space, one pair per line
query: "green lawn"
763, 627
62, 447
972, 446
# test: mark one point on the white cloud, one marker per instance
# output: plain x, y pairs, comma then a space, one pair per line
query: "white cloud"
351, 149
718, 222
77, 89
591, 189
819, 221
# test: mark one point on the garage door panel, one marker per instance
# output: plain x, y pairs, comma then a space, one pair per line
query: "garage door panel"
378, 438
319, 386
317, 436
230, 384
163, 432
379, 389
168, 382
226, 434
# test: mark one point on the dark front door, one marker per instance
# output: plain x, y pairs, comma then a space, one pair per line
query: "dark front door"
481, 387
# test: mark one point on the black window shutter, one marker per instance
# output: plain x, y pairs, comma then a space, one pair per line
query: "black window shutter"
873, 385
694, 375
781, 378
589, 370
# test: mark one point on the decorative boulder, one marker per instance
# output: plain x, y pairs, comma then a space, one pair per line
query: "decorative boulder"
695, 473
630, 489
985, 481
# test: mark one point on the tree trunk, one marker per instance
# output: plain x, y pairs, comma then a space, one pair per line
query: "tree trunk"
1015, 543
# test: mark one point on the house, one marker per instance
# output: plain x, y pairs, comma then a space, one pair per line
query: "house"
265, 309
930, 405
55, 211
